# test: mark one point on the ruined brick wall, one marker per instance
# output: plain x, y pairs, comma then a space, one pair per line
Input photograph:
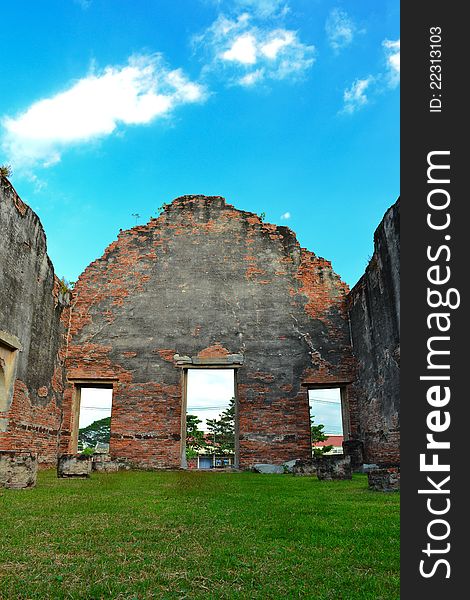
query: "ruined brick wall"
31, 333
206, 280
374, 309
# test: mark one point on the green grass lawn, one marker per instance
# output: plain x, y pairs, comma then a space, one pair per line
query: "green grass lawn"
136, 535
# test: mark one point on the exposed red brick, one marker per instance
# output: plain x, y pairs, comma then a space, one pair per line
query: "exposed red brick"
214, 351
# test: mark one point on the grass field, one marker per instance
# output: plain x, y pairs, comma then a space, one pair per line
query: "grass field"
140, 535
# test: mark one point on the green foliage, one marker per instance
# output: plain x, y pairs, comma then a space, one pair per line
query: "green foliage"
222, 430
87, 451
5, 171
262, 216
66, 286
220, 438
318, 436
98, 431
194, 436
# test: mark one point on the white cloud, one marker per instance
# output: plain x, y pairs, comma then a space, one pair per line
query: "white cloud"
285, 216
355, 96
264, 8
94, 107
279, 39
243, 50
251, 53
251, 78
392, 55
340, 29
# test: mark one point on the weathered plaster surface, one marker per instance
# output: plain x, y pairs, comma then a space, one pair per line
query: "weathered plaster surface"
374, 309
31, 333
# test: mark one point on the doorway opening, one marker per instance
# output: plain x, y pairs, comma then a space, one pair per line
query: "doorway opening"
9, 348
210, 439
326, 420
94, 422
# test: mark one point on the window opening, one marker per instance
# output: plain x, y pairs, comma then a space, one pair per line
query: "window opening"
326, 421
94, 425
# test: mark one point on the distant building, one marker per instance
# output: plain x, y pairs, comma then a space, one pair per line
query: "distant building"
332, 440
211, 461
102, 448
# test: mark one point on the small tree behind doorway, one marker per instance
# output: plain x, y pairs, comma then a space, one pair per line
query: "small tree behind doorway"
222, 430
195, 440
318, 436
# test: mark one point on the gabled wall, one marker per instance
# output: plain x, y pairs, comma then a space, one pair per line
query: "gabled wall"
207, 282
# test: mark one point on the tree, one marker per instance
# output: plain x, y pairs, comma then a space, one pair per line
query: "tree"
222, 430
318, 436
194, 436
98, 431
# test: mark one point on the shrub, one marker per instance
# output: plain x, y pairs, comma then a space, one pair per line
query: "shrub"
5, 171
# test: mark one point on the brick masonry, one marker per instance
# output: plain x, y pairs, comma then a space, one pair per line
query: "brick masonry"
33, 319
203, 284
374, 310
207, 281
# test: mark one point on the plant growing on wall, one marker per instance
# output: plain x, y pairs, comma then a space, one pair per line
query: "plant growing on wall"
5, 171
66, 286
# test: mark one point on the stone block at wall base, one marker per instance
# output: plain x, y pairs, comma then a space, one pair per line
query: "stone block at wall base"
384, 479
334, 467
305, 466
102, 463
18, 469
74, 465
267, 468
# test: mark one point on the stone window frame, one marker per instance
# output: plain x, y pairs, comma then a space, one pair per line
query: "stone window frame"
11, 347
108, 383
343, 388
224, 363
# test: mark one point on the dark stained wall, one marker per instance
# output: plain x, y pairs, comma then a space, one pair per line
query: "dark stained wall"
374, 310
207, 282
32, 334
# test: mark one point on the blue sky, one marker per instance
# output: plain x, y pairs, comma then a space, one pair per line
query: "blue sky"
110, 108
325, 409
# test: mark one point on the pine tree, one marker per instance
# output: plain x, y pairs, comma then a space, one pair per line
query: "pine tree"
222, 430
318, 436
194, 436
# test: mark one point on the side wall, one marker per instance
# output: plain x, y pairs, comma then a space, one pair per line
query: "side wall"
374, 310
31, 333
207, 282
